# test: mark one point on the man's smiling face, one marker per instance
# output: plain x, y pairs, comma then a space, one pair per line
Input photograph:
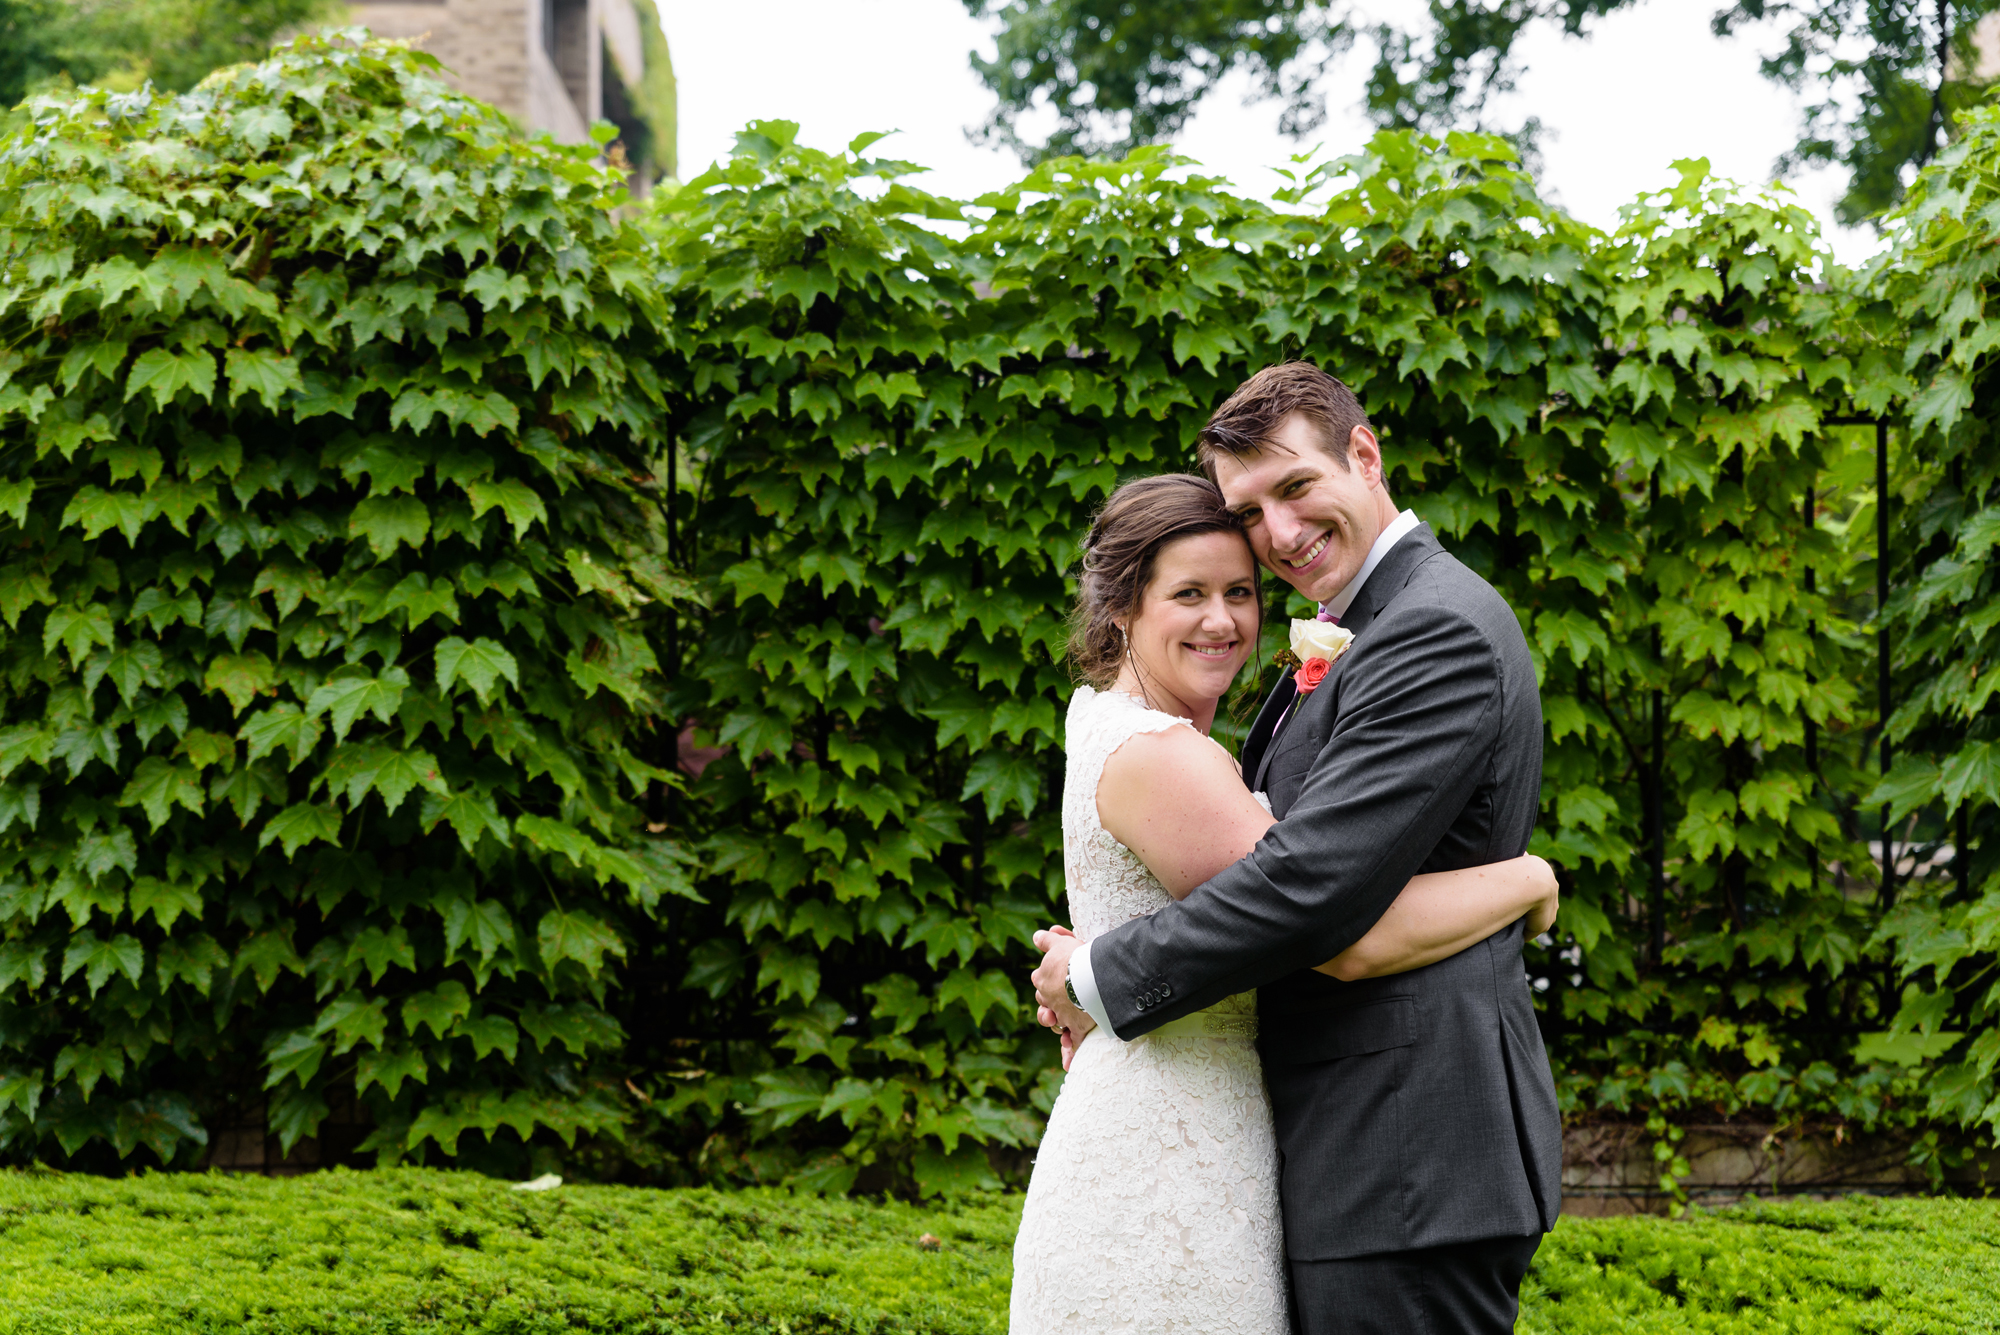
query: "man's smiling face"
1311, 522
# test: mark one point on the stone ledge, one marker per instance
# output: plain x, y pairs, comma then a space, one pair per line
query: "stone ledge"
1609, 1169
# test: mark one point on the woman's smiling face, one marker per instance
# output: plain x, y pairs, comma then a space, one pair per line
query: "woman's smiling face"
1195, 625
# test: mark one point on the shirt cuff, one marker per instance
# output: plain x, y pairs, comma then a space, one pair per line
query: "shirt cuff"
1085, 985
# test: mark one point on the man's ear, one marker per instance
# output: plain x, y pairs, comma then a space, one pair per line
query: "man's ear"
1365, 453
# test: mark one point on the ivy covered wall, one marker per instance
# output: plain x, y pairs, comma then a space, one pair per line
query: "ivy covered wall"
726, 652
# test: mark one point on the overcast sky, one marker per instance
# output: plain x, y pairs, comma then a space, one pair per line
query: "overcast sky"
1651, 85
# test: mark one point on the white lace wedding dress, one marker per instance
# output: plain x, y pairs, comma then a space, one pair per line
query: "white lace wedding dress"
1154, 1201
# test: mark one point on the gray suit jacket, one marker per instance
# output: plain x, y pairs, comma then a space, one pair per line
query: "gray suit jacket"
1415, 1110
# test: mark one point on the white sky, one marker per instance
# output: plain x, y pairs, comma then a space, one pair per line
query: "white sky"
1651, 85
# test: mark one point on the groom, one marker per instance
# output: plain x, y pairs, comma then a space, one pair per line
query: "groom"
1418, 1134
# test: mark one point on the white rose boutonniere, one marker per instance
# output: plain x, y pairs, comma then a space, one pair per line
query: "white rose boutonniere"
1320, 639
1318, 645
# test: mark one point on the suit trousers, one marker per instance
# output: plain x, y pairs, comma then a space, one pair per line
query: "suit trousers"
1467, 1288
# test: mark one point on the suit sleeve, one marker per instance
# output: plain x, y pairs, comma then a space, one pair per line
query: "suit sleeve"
1420, 714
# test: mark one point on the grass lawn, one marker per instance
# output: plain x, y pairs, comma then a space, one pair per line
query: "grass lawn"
411, 1250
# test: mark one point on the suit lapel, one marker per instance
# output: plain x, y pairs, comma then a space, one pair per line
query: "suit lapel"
1258, 743
1389, 577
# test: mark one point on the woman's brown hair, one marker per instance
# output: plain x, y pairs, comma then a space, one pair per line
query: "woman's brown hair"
1137, 521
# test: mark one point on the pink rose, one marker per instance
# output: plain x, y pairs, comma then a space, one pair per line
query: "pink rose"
1309, 676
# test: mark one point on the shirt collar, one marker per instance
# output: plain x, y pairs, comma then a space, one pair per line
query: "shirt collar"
1388, 538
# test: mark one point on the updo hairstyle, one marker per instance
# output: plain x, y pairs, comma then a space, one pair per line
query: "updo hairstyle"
1137, 521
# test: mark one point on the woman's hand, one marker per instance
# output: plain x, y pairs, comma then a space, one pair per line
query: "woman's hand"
1543, 915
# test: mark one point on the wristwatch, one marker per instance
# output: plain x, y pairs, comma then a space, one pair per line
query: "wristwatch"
1069, 986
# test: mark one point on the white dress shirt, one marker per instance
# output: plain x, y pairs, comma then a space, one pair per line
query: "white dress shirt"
1080, 979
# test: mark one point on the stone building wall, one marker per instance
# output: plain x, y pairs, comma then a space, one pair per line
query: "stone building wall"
540, 61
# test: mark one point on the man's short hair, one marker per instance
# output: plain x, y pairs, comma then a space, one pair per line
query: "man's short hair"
1248, 420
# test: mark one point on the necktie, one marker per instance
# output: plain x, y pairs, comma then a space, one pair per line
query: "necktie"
1327, 616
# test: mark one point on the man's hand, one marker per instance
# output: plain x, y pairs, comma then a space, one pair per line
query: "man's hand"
1051, 980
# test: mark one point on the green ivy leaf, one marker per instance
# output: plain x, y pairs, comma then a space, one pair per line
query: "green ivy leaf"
158, 785
345, 699
165, 900
391, 521
516, 500
582, 937
164, 373
99, 959
241, 678
481, 663
299, 825
282, 725
268, 375
470, 815
353, 1019
389, 1068
440, 1008
485, 925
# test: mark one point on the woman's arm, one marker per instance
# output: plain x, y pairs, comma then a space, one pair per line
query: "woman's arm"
1176, 800
1441, 913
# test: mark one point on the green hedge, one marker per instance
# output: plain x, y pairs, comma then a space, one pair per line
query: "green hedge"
411, 1249
817, 446
326, 435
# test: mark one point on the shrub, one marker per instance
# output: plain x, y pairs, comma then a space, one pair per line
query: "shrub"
326, 447
412, 1248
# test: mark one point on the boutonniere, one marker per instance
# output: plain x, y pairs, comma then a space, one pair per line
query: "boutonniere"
1318, 645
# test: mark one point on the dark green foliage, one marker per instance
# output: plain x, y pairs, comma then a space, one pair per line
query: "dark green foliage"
1945, 786
326, 438
30, 49
474, 418
1442, 77
1120, 75
174, 43
409, 1249
1891, 84
889, 475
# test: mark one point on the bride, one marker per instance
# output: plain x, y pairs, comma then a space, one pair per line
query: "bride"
1154, 1201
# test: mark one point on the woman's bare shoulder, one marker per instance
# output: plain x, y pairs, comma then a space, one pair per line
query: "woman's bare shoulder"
1179, 757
